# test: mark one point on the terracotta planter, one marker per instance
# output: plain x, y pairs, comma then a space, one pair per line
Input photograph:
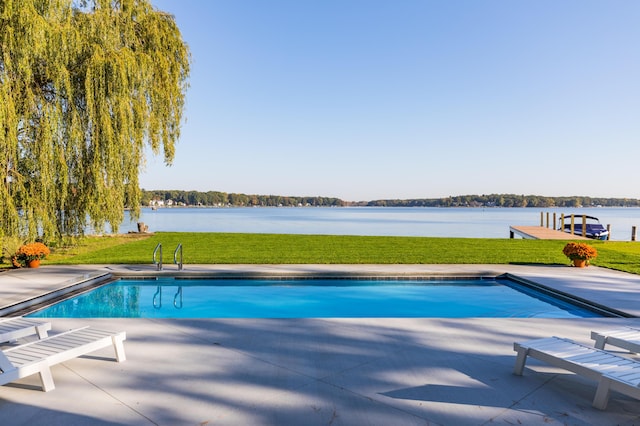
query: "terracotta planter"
580, 263
33, 263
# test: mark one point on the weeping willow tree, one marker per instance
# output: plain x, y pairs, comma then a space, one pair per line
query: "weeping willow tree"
85, 86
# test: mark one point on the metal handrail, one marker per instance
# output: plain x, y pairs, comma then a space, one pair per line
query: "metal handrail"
175, 256
155, 262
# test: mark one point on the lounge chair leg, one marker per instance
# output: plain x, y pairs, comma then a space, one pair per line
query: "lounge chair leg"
602, 393
46, 379
41, 330
521, 359
118, 345
600, 340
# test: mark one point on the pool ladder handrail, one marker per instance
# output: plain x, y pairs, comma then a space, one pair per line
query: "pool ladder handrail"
158, 263
175, 256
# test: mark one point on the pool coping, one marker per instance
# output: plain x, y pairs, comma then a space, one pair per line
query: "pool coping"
88, 280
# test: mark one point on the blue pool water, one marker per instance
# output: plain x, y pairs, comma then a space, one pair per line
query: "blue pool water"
317, 298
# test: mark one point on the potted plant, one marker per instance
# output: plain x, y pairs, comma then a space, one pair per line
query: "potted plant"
580, 253
31, 254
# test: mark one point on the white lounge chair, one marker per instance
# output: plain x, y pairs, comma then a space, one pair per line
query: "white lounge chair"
611, 371
17, 327
38, 356
625, 337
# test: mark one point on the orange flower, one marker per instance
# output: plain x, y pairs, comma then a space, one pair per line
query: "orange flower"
32, 251
579, 251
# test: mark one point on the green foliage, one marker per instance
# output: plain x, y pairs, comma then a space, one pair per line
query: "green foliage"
509, 200
215, 198
83, 87
10, 246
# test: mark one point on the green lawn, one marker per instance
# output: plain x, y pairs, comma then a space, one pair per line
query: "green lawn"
210, 248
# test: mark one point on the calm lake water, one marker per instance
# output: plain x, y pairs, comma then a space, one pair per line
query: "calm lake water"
383, 221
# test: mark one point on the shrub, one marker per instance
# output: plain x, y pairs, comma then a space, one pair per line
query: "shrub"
10, 247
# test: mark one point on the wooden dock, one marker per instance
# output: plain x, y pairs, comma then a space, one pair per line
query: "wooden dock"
542, 233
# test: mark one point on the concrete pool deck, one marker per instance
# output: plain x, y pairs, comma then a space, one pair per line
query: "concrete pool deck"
369, 371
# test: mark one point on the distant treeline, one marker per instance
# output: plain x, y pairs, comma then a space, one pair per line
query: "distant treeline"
509, 200
220, 199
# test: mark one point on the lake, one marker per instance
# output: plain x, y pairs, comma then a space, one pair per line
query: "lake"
382, 221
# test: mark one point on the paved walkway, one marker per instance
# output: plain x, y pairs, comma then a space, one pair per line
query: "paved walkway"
384, 371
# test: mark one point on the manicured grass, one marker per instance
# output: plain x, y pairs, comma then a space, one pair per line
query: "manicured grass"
620, 255
210, 248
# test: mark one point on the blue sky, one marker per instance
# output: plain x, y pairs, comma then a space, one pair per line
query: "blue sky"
369, 99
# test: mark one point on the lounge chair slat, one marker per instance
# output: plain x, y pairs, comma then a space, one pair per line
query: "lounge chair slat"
612, 368
24, 357
632, 377
582, 354
625, 334
553, 344
51, 347
63, 343
29, 355
595, 358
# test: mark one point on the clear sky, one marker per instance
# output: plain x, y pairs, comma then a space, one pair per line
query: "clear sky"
370, 99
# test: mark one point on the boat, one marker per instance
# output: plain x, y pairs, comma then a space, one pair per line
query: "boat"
595, 230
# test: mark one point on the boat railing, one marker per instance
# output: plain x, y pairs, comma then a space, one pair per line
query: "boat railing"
572, 228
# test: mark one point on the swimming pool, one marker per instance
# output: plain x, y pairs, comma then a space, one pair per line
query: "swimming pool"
168, 297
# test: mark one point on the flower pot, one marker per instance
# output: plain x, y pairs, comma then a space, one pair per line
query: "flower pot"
580, 263
33, 263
